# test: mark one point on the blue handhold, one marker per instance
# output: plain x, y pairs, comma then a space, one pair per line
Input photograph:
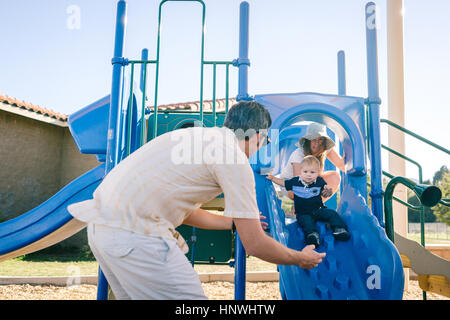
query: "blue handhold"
322, 229
313, 274
331, 264
364, 241
355, 238
342, 282
329, 243
322, 292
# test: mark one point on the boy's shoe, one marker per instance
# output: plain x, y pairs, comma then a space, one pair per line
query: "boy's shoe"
313, 238
341, 234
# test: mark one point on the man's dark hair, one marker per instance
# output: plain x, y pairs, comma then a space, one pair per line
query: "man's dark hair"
248, 116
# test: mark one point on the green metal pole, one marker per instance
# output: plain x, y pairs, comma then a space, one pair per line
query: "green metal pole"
214, 94
144, 99
130, 111
415, 135
227, 87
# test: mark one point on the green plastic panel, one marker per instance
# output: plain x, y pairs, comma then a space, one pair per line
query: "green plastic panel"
213, 246
172, 121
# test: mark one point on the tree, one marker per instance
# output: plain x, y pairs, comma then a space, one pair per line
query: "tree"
414, 216
443, 212
439, 175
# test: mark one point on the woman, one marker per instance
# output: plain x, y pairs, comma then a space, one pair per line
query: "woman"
317, 143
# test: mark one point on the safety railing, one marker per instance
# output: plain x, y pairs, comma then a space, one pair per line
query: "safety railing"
388, 193
428, 196
144, 62
444, 202
415, 135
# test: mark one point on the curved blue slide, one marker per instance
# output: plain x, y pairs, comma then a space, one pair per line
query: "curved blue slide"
50, 222
366, 267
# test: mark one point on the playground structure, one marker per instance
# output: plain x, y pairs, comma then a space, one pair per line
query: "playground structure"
348, 269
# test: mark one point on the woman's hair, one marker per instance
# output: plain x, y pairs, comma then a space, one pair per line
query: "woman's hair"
306, 146
246, 118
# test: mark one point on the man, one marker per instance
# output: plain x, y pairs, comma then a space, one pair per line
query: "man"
135, 210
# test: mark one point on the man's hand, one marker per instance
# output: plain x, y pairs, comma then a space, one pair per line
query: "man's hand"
263, 223
309, 258
327, 191
291, 194
270, 177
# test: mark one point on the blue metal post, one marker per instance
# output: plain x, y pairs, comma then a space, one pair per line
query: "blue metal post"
118, 62
373, 103
144, 56
243, 62
342, 85
102, 287
342, 91
240, 269
111, 148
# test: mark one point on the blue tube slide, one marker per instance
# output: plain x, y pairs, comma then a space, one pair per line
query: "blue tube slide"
366, 267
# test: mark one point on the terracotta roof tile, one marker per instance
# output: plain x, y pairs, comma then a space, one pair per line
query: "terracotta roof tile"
33, 108
195, 105
185, 106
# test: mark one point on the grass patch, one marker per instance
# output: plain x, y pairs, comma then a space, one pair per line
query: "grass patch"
52, 265
430, 238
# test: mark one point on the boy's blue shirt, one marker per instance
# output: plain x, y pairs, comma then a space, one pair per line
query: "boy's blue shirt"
307, 199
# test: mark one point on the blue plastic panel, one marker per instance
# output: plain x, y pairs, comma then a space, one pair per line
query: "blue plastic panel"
89, 127
345, 116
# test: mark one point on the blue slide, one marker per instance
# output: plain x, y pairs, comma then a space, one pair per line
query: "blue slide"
50, 222
368, 266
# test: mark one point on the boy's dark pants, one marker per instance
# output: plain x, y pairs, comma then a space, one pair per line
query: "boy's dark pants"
308, 221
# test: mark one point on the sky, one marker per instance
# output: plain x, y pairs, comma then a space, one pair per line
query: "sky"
57, 54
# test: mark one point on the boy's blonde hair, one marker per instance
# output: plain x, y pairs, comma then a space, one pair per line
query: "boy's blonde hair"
310, 160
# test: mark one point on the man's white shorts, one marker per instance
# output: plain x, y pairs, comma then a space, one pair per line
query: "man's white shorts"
142, 267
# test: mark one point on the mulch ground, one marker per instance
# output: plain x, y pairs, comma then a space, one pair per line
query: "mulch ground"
214, 290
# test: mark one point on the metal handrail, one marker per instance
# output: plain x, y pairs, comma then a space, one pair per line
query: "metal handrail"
415, 135
398, 154
415, 208
389, 195
424, 140
155, 124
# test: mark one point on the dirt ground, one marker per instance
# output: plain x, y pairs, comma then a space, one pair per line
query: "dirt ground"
214, 290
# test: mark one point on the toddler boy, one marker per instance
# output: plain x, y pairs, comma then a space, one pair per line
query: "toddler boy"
308, 190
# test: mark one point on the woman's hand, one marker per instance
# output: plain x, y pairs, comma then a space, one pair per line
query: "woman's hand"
327, 191
335, 159
291, 194
263, 223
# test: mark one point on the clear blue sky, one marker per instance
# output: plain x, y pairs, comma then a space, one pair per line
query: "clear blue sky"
49, 60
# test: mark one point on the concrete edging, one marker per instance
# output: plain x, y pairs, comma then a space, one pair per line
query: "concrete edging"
254, 276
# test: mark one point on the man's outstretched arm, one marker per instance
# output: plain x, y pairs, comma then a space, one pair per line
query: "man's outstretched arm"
258, 244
